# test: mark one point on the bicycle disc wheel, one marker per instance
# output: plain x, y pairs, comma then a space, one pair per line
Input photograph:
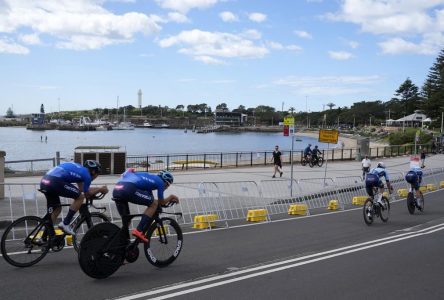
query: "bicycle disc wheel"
165, 242
368, 211
421, 205
93, 260
384, 211
320, 161
25, 242
411, 203
82, 227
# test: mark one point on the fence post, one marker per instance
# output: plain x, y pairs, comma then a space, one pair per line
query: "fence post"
221, 159
237, 157
265, 158
147, 163
57, 158
186, 159
2, 174
205, 159
168, 162
377, 152
342, 154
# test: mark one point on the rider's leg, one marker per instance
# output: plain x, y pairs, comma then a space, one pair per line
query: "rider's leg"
147, 216
75, 206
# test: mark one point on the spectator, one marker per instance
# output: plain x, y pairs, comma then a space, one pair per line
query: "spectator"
366, 164
277, 161
423, 156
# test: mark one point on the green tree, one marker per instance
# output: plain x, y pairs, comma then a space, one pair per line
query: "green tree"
222, 106
42, 109
10, 113
408, 96
433, 88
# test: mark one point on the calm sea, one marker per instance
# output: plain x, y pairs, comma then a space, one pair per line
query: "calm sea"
20, 143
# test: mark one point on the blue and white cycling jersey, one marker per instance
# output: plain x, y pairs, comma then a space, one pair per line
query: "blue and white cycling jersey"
144, 181
72, 172
380, 172
414, 177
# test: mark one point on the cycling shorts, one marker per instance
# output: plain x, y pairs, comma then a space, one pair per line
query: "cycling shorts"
413, 178
128, 192
54, 188
372, 181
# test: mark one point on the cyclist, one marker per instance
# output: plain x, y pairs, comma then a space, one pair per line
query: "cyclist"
314, 154
58, 182
414, 177
307, 152
373, 180
137, 187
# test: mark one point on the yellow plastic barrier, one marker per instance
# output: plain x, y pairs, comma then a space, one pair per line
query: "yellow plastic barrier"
204, 221
441, 184
68, 239
359, 200
386, 194
297, 209
423, 189
431, 187
256, 215
333, 204
402, 192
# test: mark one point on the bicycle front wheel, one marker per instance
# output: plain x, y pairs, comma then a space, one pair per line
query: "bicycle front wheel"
368, 211
26, 241
384, 210
421, 204
165, 242
84, 224
320, 161
411, 203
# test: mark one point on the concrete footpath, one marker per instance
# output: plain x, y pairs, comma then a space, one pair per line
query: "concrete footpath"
334, 169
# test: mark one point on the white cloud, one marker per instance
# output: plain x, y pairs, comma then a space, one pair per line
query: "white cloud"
294, 48
184, 6
228, 16
329, 85
340, 55
396, 21
69, 22
257, 17
275, 45
178, 17
30, 39
10, 47
303, 34
209, 47
353, 44
252, 34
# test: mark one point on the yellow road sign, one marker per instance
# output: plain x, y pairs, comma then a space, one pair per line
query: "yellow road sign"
289, 121
328, 136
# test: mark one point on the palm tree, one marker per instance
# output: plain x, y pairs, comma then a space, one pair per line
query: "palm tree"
331, 105
291, 109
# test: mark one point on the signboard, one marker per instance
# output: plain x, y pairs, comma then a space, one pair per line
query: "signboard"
286, 130
328, 136
289, 121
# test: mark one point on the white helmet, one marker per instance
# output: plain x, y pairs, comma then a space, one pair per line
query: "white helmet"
381, 165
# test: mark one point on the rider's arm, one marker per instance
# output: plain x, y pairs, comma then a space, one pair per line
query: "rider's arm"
170, 198
94, 190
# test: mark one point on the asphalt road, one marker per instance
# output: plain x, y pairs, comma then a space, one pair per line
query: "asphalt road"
328, 256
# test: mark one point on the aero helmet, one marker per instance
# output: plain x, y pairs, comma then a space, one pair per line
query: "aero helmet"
381, 165
166, 176
93, 165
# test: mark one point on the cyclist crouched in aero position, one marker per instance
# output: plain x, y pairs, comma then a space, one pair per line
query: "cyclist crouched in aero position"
58, 182
414, 177
137, 187
373, 180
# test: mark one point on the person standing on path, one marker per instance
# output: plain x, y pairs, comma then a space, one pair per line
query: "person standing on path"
366, 164
277, 161
423, 156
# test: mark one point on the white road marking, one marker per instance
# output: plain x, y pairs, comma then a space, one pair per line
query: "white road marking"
277, 266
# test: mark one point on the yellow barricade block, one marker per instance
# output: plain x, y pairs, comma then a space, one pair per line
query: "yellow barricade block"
441, 184
359, 200
256, 215
205, 221
68, 239
431, 187
385, 194
333, 204
402, 192
157, 231
423, 189
297, 209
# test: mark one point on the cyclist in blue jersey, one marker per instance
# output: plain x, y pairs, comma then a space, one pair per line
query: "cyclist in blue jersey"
414, 177
58, 182
307, 152
373, 180
138, 187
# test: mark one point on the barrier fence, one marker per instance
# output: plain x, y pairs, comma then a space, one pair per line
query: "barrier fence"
225, 203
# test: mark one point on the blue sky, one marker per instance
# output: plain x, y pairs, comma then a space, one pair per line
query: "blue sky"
303, 54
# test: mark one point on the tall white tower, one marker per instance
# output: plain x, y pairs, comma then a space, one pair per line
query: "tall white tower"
139, 94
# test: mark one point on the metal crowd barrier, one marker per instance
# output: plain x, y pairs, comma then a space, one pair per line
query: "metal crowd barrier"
228, 201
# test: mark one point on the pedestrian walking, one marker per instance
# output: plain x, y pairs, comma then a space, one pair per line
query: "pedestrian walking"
423, 157
277, 161
366, 164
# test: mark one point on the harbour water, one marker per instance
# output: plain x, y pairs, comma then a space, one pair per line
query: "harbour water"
21, 144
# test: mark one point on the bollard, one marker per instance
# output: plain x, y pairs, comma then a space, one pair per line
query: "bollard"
2, 174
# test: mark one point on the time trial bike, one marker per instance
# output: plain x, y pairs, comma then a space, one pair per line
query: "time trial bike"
106, 247
373, 209
28, 239
413, 202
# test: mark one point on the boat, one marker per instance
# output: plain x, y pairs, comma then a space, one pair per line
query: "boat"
147, 124
123, 126
163, 125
